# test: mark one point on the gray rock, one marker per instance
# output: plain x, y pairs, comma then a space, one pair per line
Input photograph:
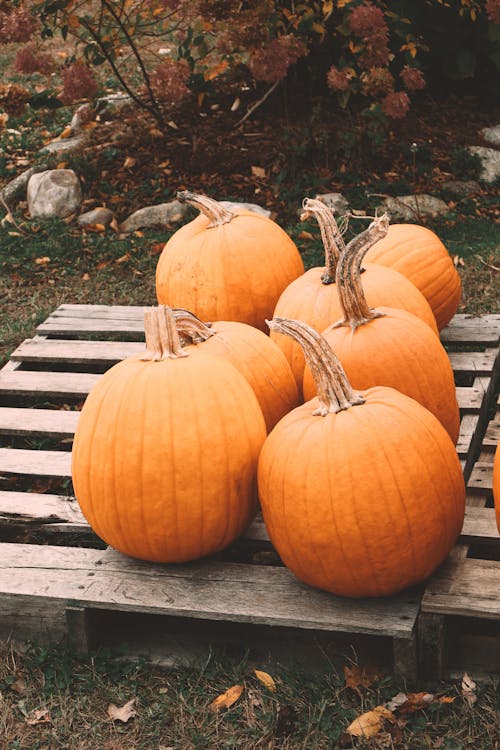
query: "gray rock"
491, 136
84, 115
410, 207
54, 193
461, 188
99, 215
112, 105
233, 206
65, 145
163, 213
13, 191
336, 202
490, 159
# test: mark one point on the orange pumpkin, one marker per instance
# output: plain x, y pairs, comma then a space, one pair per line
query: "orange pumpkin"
313, 297
419, 254
225, 265
253, 353
496, 484
387, 346
362, 492
166, 449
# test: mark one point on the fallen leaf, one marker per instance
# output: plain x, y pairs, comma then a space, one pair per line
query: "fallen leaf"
446, 699
156, 248
62, 165
235, 105
7, 219
39, 716
86, 277
123, 258
124, 713
458, 261
370, 723
226, 699
42, 261
305, 235
138, 233
102, 265
129, 162
258, 172
114, 225
67, 132
266, 680
19, 685
469, 689
357, 676
414, 702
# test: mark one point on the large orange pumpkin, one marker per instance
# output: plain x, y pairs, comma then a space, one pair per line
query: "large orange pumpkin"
362, 492
166, 449
386, 346
313, 297
419, 254
253, 353
496, 484
226, 265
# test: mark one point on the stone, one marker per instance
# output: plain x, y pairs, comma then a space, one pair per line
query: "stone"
54, 193
83, 116
64, 145
110, 106
491, 136
410, 207
162, 214
461, 188
490, 160
336, 202
99, 215
234, 206
12, 192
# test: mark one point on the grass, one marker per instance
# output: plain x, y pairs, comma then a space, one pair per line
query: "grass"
305, 712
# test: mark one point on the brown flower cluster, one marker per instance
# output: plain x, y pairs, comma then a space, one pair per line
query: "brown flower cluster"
13, 98
78, 83
17, 25
396, 105
169, 81
338, 80
493, 10
271, 63
30, 60
376, 82
368, 22
412, 78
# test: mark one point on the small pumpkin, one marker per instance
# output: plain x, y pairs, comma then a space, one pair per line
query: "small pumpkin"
387, 346
253, 353
165, 452
419, 254
361, 492
226, 265
313, 297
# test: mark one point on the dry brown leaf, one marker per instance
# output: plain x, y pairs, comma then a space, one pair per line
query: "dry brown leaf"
259, 172
414, 702
124, 713
129, 162
7, 219
226, 699
370, 723
305, 235
446, 699
19, 685
357, 676
156, 248
266, 680
66, 133
86, 277
123, 258
42, 261
114, 225
469, 689
102, 265
62, 165
39, 716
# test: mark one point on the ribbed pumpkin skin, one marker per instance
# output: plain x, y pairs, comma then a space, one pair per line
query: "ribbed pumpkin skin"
261, 362
419, 254
165, 457
496, 485
317, 304
397, 351
364, 502
235, 271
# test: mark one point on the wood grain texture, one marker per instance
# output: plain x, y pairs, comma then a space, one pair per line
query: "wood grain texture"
38, 508
470, 398
480, 526
204, 590
478, 363
75, 351
465, 587
468, 425
466, 329
47, 384
35, 463
56, 423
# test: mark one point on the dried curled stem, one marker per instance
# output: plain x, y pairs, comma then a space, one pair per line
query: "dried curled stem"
213, 210
189, 325
335, 393
333, 241
162, 337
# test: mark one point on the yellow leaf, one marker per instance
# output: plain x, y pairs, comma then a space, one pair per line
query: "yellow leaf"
42, 261
62, 165
226, 699
68, 130
258, 172
129, 162
327, 8
215, 71
357, 676
318, 28
370, 723
266, 680
123, 258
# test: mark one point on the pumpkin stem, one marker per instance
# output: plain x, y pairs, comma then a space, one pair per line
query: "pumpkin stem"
212, 209
335, 393
187, 323
333, 241
351, 295
162, 337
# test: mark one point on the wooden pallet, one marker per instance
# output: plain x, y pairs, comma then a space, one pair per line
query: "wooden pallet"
54, 576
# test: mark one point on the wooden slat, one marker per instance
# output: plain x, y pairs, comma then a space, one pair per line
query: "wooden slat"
464, 329
471, 398
35, 508
204, 590
55, 423
115, 312
103, 326
466, 587
47, 384
480, 525
468, 425
481, 478
479, 363
492, 436
76, 351
35, 463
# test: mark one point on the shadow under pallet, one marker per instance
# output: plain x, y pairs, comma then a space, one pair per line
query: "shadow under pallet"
57, 580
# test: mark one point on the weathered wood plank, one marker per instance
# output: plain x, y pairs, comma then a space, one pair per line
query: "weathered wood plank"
479, 363
479, 526
76, 351
465, 329
37, 508
47, 384
205, 590
64, 326
466, 588
492, 436
468, 425
115, 312
481, 477
56, 423
471, 398
35, 463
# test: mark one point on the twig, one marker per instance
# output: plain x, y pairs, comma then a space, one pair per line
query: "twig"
257, 104
12, 220
488, 265
398, 200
